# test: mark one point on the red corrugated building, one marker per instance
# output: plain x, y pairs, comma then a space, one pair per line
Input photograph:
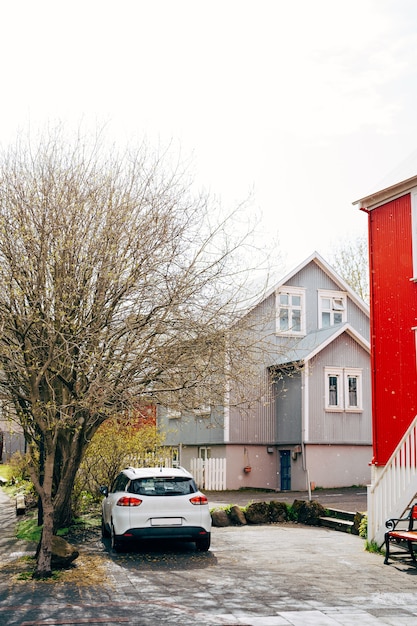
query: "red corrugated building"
392, 221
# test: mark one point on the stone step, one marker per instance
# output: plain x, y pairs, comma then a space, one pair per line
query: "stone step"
339, 514
342, 525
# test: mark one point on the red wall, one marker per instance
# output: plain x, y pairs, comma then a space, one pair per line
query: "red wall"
393, 314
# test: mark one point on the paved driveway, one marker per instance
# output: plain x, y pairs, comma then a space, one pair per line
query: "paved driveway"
252, 576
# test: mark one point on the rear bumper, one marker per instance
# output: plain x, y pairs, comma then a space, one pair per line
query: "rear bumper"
180, 533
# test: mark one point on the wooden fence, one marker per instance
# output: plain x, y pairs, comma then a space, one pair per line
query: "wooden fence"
209, 474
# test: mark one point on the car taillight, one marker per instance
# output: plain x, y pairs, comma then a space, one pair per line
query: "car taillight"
128, 501
199, 500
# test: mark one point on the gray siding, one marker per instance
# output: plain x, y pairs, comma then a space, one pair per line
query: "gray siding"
339, 427
191, 429
313, 279
288, 394
256, 422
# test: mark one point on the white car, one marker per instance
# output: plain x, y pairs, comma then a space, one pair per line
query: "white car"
155, 503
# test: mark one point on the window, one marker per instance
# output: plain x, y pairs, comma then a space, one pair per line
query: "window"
120, 483
343, 389
203, 410
290, 307
172, 414
332, 308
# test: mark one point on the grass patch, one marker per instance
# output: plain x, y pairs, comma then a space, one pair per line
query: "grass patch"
372, 546
6, 471
28, 529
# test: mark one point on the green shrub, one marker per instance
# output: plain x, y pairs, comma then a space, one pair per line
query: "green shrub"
19, 468
363, 527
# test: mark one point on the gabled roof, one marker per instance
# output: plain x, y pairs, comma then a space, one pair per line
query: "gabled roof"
338, 280
316, 341
389, 193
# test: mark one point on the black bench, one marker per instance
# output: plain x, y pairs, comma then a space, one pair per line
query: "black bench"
402, 538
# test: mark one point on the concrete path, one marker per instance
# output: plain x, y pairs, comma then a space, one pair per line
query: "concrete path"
276, 575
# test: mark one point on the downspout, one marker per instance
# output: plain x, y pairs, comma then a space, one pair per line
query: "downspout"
305, 421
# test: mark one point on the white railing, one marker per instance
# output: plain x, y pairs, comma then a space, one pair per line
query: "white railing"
394, 486
209, 474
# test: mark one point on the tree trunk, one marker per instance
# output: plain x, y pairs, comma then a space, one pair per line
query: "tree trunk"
44, 552
68, 460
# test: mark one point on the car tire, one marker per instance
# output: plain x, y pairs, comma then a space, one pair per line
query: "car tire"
203, 544
115, 541
104, 530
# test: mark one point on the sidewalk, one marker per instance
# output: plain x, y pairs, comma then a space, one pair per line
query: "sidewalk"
272, 575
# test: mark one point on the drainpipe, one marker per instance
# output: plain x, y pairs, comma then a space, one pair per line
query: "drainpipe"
304, 421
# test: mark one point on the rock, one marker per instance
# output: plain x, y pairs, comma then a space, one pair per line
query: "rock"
308, 512
237, 516
63, 553
20, 504
220, 518
278, 511
257, 513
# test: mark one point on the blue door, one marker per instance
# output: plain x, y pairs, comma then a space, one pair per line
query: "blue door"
285, 470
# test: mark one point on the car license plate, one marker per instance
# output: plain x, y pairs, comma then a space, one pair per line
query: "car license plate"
166, 521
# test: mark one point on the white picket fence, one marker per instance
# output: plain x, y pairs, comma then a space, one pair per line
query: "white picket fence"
151, 459
209, 474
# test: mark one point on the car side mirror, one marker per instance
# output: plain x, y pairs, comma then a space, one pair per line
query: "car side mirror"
104, 490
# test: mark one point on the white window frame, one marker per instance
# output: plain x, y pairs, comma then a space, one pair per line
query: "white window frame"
333, 296
343, 375
291, 291
204, 410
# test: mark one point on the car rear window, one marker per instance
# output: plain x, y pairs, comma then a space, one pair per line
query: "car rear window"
163, 486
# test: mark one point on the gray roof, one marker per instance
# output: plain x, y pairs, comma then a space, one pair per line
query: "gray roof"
313, 343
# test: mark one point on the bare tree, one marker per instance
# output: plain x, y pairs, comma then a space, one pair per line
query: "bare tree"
350, 260
117, 286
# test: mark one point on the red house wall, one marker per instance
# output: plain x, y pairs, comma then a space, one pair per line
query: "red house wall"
393, 315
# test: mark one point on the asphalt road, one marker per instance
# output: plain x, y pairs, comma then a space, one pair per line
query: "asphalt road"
347, 498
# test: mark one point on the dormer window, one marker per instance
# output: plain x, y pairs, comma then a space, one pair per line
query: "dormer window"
332, 308
290, 311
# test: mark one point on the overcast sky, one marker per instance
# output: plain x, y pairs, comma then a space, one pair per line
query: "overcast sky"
307, 105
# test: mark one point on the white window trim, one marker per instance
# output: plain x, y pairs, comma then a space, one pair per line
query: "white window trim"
329, 295
343, 375
356, 373
204, 410
173, 414
293, 291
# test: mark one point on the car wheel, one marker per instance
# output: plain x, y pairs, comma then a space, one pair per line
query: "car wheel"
203, 544
104, 530
115, 541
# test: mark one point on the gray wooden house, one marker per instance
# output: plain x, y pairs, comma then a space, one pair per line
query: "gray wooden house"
310, 422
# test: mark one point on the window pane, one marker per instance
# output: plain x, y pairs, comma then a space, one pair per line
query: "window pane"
296, 320
283, 319
325, 303
325, 320
353, 390
338, 318
333, 391
296, 301
283, 298
338, 304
